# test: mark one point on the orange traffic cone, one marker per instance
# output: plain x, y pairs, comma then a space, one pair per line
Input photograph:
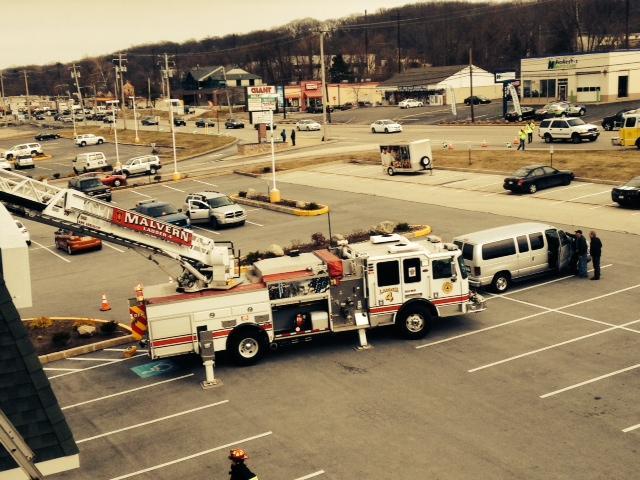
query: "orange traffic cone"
484, 144
104, 306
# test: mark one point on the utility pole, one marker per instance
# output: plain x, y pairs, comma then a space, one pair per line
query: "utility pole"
75, 75
398, 39
626, 25
120, 69
226, 91
168, 73
148, 92
366, 45
324, 91
26, 87
473, 118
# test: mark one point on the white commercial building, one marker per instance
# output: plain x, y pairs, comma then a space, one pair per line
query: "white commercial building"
582, 77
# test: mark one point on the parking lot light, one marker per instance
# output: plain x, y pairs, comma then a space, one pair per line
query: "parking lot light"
115, 127
135, 118
176, 175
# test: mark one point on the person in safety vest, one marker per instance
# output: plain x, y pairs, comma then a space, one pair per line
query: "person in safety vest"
531, 128
239, 470
523, 138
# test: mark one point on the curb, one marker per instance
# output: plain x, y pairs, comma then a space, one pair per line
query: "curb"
422, 232
279, 208
83, 349
287, 151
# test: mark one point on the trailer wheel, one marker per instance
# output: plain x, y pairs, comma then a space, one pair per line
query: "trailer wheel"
414, 321
390, 171
425, 161
247, 346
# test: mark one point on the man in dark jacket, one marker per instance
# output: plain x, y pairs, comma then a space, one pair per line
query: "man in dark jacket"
596, 252
239, 470
582, 251
293, 137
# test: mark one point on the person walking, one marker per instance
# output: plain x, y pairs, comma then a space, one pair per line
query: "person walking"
582, 251
523, 137
293, 137
239, 470
596, 251
531, 127
283, 134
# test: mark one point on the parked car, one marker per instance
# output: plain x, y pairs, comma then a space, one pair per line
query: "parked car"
108, 118
572, 109
39, 116
163, 211
24, 161
205, 122
88, 139
71, 243
89, 161
214, 208
613, 122
233, 123
46, 136
385, 126
32, 149
23, 230
4, 164
150, 121
573, 129
532, 178
476, 99
627, 195
345, 106
308, 125
527, 113
410, 103
177, 121
318, 108
142, 165
66, 119
113, 179
554, 109
90, 185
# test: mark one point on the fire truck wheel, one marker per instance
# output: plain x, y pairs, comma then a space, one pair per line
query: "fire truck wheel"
247, 346
414, 321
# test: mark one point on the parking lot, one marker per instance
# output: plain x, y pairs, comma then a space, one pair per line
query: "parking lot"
545, 370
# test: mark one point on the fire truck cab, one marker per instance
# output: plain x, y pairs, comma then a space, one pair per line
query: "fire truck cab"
387, 280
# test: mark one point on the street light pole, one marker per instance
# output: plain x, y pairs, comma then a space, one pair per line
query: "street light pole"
274, 195
113, 103
135, 118
176, 175
324, 93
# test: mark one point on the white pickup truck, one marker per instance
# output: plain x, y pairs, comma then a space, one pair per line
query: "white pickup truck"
143, 165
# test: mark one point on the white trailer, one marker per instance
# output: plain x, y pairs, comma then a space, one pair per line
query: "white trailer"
406, 157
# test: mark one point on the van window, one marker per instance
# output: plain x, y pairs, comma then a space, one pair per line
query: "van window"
545, 123
411, 268
536, 240
388, 273
467, 251
523, 245
501, 248
442, 268
630, 122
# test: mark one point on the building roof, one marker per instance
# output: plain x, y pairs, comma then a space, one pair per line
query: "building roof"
26, 396
423, 76
200, 74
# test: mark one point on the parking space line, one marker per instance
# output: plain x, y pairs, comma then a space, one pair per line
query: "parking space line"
560, 189
51, 252
190, 457
91, 359
45, 168
124, 392
549, 347
97, 366
311, 475
205, 230
591, 380
150, 422
634, 214
254, 223
605, 205
141, 194
52, 369
204, 183
107, 244
173, 188
114, 349
40, 248
632, 427
590, 195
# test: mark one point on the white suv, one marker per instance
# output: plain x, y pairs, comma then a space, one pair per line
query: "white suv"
32, 149
573, 129
89, 139
143, 165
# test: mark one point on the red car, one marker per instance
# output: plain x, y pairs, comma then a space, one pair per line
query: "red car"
114, 179
72, 243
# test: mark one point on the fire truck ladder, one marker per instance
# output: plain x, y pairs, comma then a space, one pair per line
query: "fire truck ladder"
205, 265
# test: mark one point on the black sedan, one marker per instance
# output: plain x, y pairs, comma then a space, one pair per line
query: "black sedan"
532, 178
205, 122
233, 123
177, 121
615, 121
46, 136
627, 195
527, 113
476, 100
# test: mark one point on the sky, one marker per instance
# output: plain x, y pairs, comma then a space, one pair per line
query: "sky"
67, 30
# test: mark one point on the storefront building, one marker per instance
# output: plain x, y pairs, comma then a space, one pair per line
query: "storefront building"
308, 93
583, 78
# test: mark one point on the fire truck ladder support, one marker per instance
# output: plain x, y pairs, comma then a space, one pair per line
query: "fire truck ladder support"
205, 265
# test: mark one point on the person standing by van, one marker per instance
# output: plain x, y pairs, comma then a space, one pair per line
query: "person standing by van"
596, 251
582, 251
522, 135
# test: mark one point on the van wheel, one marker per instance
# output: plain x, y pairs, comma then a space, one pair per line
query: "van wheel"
9, 156
75, 170
83, 144
548, 138
247, 346
414, 321
386, 130
575, 138
390, 171
100, 141
501, 282
533, 188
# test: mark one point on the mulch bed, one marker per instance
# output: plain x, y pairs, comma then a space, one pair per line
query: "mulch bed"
41, 338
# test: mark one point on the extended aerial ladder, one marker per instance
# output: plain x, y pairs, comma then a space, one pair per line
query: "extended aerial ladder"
205, 265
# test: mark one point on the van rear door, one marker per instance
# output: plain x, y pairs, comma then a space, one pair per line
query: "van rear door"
559, 249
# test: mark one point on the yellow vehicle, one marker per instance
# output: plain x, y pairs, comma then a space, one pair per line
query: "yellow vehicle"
630, 130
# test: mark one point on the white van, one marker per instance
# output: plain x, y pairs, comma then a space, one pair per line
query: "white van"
86, 162
498, 256
406, 157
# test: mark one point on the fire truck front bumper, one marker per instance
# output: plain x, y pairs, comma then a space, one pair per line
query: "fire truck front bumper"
477, 303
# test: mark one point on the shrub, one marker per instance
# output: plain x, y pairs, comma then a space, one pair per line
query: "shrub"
56, 175
266, 169
109, 327
253, 257
403, 227
242, 194
40, 323
157, 178
312, 206
318, 239
60, 339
